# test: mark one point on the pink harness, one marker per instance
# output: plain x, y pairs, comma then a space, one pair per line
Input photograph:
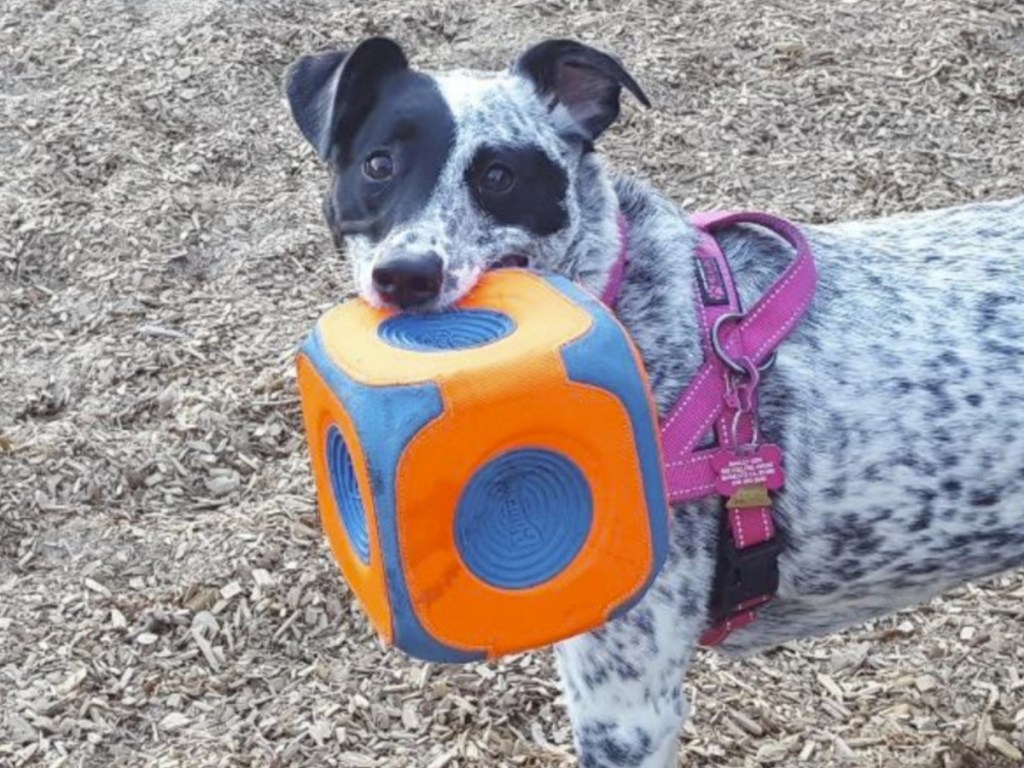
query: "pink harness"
738, 348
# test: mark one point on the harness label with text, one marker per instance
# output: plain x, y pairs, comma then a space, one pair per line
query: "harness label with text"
760, 466
712, 284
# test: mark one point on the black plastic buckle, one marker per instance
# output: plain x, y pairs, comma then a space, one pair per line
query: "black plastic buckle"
743, 574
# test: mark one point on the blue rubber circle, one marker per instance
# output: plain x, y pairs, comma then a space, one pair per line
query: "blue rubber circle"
444, 331
347, 498
523, 518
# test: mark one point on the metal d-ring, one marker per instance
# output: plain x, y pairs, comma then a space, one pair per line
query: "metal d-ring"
716, 345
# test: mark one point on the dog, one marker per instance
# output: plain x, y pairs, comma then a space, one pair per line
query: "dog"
898, 400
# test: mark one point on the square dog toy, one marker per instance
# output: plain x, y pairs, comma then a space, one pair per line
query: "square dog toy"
489, 477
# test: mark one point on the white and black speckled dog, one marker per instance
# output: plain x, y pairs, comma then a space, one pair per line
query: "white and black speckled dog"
899, 401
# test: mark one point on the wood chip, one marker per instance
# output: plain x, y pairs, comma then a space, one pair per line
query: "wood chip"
925, 683
772, 752
173, 721
161, 333
96, 587
21, 731
117, 619
229, 591
843, 749
831, 686
1005, 748
442, 760
807, 751
354, 760
72, 682
747, 724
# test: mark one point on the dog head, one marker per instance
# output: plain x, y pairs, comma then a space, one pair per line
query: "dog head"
435, 178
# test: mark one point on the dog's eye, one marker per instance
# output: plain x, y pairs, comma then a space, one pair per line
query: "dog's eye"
379, 165
497, 178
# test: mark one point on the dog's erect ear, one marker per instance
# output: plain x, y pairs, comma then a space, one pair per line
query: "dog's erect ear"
329, 93
582, 79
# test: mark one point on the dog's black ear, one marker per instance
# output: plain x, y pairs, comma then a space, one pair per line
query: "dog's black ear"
330, 93
582, 79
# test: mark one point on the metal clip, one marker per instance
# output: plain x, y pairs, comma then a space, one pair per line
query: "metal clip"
741, 395
743, 381
716, 344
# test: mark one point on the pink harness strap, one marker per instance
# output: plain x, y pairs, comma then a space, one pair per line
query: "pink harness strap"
723, 397
755, 337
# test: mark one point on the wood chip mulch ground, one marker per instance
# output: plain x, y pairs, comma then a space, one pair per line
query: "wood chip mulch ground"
166, 597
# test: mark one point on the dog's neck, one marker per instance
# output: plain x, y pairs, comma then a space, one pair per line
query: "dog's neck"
655, 301
596, 247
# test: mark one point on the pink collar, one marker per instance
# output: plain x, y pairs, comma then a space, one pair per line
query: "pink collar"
611, 289
722, 398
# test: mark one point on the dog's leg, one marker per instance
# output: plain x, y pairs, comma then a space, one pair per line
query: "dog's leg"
623, 682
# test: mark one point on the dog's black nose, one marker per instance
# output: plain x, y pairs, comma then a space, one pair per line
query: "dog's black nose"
409, 281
